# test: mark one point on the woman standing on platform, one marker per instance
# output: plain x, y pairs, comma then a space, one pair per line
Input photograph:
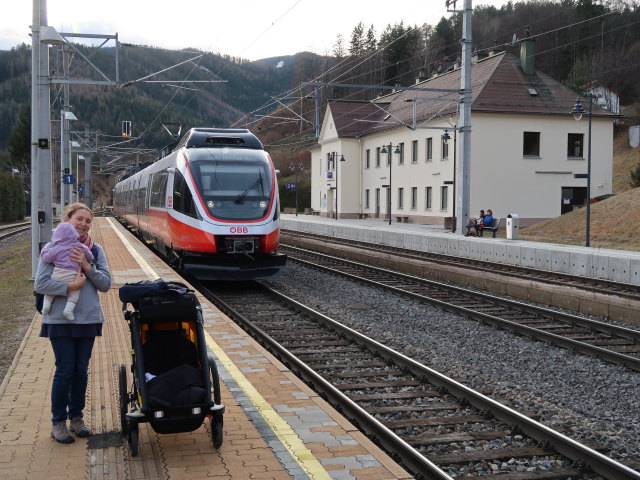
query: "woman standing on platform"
72, 341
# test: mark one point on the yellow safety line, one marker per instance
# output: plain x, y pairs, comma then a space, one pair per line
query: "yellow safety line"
289, 438
151, 273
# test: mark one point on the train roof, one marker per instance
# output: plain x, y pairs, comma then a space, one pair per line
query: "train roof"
220, 138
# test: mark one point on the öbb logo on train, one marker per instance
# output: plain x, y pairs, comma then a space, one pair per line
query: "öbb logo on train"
238, 230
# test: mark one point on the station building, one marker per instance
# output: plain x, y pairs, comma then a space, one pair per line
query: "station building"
526, 147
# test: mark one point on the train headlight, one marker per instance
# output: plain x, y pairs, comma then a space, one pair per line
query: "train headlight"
263, 204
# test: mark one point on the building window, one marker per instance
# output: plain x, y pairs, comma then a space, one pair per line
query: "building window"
330, 162
388, 155
444, 198
427, 197
429, 149
367, 161
377, 157
414, 151
400, 198
414, 198
445, 150
531, 144
366, 198
575, 147
401, 159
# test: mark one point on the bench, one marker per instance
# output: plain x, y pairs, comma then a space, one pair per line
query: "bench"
290, 210
492, 228
402, 219
363, 216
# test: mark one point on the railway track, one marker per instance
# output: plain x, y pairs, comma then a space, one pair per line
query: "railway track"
605, 287
435, 426
606, 341
7, 231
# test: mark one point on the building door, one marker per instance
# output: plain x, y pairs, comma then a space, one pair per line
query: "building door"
377, 203
572, 197
331, 203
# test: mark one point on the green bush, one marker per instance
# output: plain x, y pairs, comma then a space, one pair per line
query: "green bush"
635, 176
12, 201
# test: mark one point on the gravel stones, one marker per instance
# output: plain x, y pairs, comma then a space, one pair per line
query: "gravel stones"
589, 400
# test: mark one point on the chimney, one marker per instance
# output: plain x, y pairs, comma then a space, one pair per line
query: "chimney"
421, 77
527, 54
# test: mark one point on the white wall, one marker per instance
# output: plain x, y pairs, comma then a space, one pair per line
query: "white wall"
502, 179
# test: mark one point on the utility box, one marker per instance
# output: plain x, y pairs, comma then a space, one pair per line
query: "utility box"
513, 225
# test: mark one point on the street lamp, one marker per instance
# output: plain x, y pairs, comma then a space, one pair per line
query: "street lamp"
445, 138
65, 157
332, 158
398, 152
578, 111
296, 167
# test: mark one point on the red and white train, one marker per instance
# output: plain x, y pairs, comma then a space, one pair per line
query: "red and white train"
210, 206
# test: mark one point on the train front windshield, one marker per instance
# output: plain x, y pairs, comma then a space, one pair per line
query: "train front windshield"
234, 189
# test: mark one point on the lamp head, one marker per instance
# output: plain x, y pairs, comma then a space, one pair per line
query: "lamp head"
342, 159
578, 110
384, 150
445, 136
49, 36
397, 151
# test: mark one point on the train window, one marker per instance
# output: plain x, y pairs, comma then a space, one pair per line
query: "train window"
234, 189
158, 189
182, 198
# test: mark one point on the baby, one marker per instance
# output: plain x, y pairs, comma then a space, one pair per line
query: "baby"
64, 238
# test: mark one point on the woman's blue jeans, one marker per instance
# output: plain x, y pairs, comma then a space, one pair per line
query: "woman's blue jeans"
71, 377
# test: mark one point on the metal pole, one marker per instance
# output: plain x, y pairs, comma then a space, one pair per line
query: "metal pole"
588, 227
390, 189
335, 163
455, 149
296, 193
41, 221
464, 170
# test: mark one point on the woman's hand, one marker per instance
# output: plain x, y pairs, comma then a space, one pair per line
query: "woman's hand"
77, 255
77, 282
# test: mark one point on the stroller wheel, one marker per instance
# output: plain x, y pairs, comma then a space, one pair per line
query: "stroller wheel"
124, 398
133, 439
216, 418
216, 429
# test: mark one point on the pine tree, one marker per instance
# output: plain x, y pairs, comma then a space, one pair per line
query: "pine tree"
20, 147
356, 48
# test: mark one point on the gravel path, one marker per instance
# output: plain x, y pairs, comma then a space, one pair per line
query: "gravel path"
582, 397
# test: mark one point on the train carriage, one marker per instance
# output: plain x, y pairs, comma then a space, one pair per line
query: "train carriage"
210, 206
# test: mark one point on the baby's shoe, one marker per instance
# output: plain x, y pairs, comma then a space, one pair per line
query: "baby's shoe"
46, 306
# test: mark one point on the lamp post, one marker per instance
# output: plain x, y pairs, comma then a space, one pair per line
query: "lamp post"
65, 157
383, 151
332, 158
446, 137
578, 111
296, 167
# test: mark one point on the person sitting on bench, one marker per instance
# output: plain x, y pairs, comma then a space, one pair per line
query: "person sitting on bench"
487, 221
473, 224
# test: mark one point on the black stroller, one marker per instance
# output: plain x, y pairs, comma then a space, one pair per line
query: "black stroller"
174, 379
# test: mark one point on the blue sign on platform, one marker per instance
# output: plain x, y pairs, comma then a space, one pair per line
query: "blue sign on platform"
292, 186
80, 189
68, 179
